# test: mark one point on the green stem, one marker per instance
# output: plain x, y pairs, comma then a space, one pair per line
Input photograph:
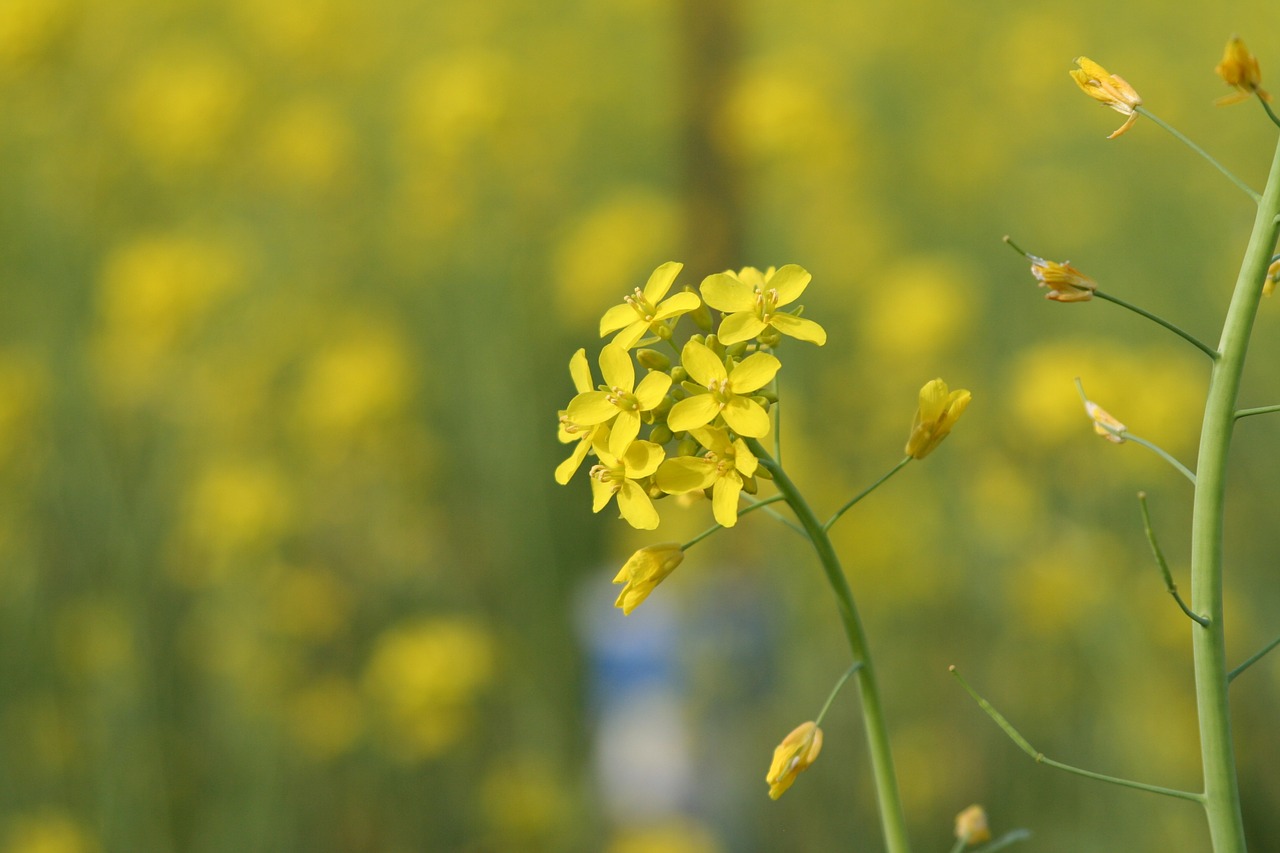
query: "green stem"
892, 819
713, 528
1161, 452
1270, 112
1254, 658
1261, 410
831, 697
1196, 148
1013, 836
1142, 312
1162, 564
1040, 757
777, 516
835, 516
1222, 787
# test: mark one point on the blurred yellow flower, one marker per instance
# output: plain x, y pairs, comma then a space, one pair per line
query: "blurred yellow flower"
325, 717
357, 380
793, 756
1104, 424
725, 393
1065, 283
751, 300
1239, 68
49, 832
938, 412
644, 310
30, 28
623, 403
308, 145
971, 826
642, 573
422, 679
1107, 89
617, 475
233, 506
1273, 274
721, 469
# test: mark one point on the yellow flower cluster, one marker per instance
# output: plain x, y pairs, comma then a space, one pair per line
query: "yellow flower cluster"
694, 411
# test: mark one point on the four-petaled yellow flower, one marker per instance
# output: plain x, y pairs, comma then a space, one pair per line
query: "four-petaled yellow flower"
617, 475
721, 470
724, 392
647, 568
569, 431
751, 300
938, 413
623, 402
1107, 89
971, 826
793, 756
644, 309
1239, 68
1065, 282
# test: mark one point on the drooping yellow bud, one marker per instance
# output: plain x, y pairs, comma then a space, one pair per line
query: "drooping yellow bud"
939, 410
971, 826
1239, 68
647, 568
793, 756
1108, 89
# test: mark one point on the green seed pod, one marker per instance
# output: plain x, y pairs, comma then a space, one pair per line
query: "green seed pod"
763, 473
651, 359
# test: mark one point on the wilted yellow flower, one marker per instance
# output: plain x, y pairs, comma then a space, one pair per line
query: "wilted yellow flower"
623, 402
647, 568
726, 392
641, 311
752, 299
1239, 68
1104, 424
1065, 282
1107, 89
971, 826
793, 756
1273, 275
939, 410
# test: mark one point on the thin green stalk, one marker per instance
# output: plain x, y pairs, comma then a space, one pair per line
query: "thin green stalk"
892, 819
835, 516
1142, 312
1261, 410
1196, 148
1041, 758
750, 508
1159, 451
1254, 658
831, 697
1222, 787
1162, 564
777, 516
1270, 112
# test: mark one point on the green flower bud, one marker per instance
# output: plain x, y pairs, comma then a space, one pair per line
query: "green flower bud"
661, 434
688, 446
701, 315
749, 485
651, 359
679, 374
769, 337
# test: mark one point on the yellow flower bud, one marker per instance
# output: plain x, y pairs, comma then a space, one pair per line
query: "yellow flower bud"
793, 756
1273, 275
971, 826
647, 568
1107, 89
1239, 68
938, 413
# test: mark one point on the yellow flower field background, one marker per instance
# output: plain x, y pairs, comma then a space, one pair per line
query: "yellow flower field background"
289, 294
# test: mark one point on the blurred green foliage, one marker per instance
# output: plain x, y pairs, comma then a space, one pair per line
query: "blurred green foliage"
289, 293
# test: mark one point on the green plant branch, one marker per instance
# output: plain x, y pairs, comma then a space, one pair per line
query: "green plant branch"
892, 819
835, 516
1217, 751
1159, 451
1254, 658
1163, 565
1253, 194
1261, 410
752, 503
1270, 112
755, 505
1011, 837
1158, 320
1041, 758
831, 697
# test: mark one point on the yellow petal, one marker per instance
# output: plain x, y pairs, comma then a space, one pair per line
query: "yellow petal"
652, 389
681, 303
739, 327
615, 364
617, 317
636, 508
726, 293
799, 328
724, 499
753, 372
703, 365
642, 459
745, 417
625, 429
692, 412
660, 281
590, 408
684, 474
790, 281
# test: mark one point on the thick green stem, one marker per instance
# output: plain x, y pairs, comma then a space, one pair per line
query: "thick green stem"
1221, 786
892, 818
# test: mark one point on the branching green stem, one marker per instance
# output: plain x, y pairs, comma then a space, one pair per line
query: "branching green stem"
835, 516
1217, 752
1161, 452
1261, 410
1162, 564
1270, 112
752, 503
1142, 312
831, 697
892, 819
750, 508
1040, 757
1253, 194
1254, 658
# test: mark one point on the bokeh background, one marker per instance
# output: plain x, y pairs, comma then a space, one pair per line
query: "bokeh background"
289, 291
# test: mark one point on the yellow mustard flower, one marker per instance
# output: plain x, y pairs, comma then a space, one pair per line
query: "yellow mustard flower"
617, 475
644, 309
939, 410
721, 469
793, 756
1239, 68
1064, 282
647, 568
971, 826
569, 431
1273, 275
623, 402
725, 390
1108, 89
751, 300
